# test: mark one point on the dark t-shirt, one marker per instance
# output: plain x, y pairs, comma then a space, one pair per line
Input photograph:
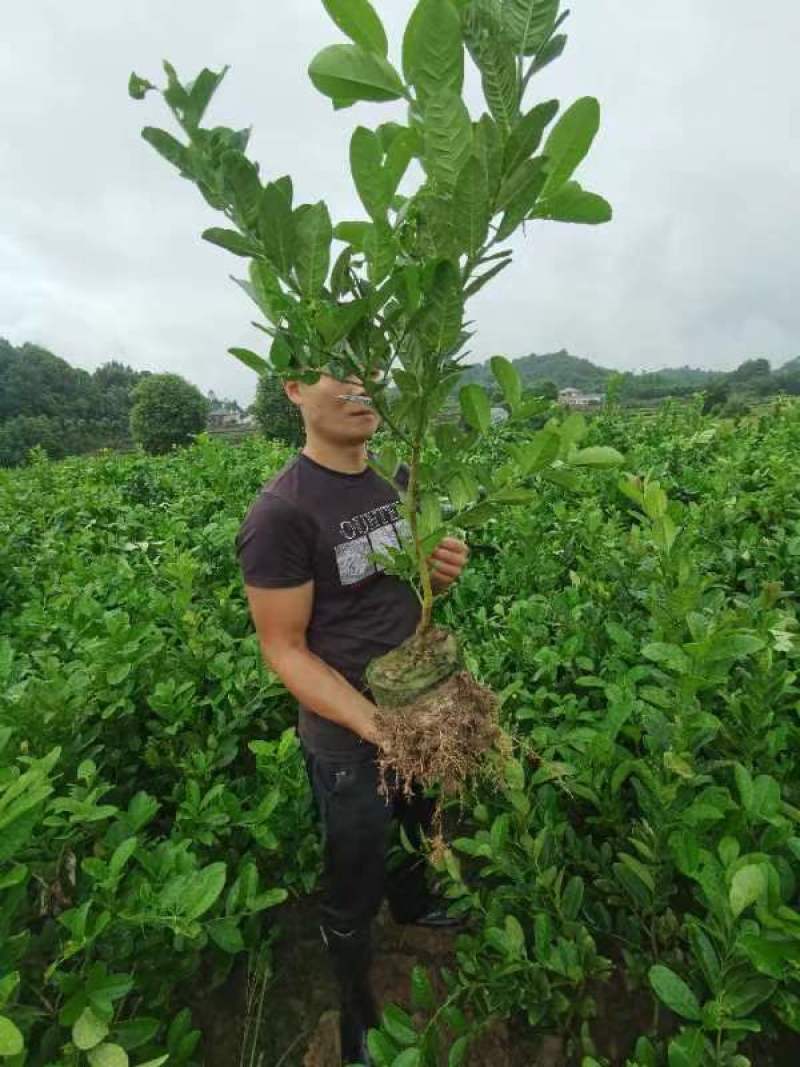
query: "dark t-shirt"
310, 522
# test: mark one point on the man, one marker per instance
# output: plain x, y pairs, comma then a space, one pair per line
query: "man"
322, 611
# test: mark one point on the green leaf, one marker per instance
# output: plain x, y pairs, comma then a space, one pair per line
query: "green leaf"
527, 134
493, 55
687, 1050
462, 489
313, 234
705, 954
571, 203
519, 193
398, 156
508, 379
597, 456
440, 327
108, 1056
230, 240
200, 91
358, 20
674, 992
458, 1051
155, 1063
572, 898
380, 249
639, 869
11, 1040
529, 23
515, 935
88, 1030
478, 282
667, 655
276, 226
167, 146
410, 1057
478, 515
398, 1025
743, 997
447, 137
747, 886
122, 853
138, 87
735, 646
744, 783
422, 995
203, 889
488, 147
552, 50
471, 212
569, 141
539, 452
242, 181
433, 51
573, 429
381, 1048
336, 321
349, 72
766, 797
8, 983
475, 407
225, 933
354, 233
250, 359
133, 1033
366, 164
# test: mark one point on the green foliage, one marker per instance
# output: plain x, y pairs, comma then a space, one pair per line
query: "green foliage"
395, 299
46, 402
643, 636
153, 803
167, 411
277, 417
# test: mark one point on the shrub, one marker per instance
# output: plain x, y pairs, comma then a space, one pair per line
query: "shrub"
276, 415
167, 411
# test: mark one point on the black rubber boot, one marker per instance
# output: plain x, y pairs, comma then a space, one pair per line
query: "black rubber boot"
351, 953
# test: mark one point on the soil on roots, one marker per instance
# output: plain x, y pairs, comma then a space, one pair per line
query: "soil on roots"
443, 737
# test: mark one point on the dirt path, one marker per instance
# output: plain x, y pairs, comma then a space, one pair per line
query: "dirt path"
299, 1023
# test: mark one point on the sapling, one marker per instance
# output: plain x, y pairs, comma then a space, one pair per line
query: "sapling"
444, 191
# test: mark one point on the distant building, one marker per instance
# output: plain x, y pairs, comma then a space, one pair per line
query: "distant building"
576, 398
224, 413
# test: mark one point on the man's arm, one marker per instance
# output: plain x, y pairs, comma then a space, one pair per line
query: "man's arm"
281, 618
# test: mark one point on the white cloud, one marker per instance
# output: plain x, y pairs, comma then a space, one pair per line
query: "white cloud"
101, 256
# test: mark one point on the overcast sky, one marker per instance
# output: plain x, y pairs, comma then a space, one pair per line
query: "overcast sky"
699, 153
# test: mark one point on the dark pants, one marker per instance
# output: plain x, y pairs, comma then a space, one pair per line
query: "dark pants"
357, 823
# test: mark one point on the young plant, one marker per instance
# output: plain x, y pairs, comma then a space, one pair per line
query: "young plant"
391, 309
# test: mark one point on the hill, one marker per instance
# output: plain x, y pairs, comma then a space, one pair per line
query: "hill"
753, 377
561, 368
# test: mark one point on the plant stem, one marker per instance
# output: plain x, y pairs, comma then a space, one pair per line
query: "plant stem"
413, 518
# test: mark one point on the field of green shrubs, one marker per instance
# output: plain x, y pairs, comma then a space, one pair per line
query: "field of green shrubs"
632, 875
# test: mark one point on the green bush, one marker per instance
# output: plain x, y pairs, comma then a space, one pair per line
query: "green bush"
644, 633
167, 410
276, 415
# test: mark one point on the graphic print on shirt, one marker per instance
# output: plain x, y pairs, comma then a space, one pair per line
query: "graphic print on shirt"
372, 531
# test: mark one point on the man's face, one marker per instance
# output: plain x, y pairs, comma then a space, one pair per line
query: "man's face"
342, 422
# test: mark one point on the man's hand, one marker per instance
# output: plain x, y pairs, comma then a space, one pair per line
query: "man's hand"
447, 561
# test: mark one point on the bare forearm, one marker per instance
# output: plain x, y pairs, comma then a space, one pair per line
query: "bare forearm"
323, 690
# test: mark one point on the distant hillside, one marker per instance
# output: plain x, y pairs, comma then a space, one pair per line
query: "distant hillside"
558, 367
753, 376
45, 401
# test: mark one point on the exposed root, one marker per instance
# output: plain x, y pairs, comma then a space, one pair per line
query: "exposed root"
442, 738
